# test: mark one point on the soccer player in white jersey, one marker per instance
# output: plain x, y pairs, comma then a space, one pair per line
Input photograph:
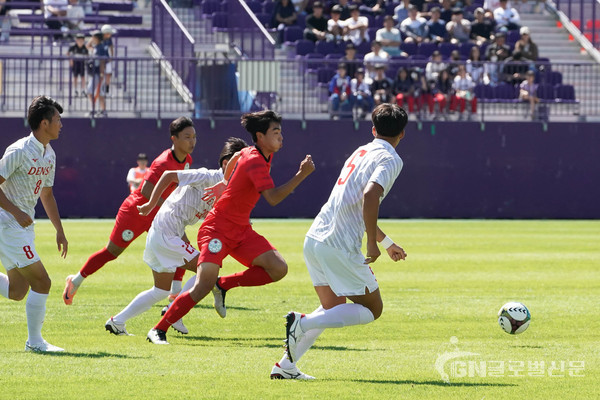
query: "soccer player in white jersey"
165, 249
332, 248
27, 174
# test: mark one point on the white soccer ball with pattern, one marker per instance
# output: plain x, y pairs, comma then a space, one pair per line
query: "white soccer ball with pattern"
514, 318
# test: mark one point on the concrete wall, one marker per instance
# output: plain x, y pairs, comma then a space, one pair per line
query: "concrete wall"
451, 170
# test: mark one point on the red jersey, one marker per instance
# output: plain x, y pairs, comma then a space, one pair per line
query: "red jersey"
250, 177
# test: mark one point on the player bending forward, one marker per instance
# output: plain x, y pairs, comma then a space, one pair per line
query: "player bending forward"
129, 224
332, 246
27, 174
227, 229
165, 249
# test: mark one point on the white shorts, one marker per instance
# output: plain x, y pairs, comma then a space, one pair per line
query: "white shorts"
17, 248
108, 68
166, 253
345, 273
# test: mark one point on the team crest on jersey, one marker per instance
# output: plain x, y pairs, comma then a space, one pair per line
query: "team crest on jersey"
186, 166
127, 235
215, 246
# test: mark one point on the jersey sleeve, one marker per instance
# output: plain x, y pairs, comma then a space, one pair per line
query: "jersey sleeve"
386, 172
258, 173
156, 170
11, 160
200, 176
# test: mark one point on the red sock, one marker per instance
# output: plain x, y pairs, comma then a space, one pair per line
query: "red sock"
181, 306
95, 262
253, 276
179, 272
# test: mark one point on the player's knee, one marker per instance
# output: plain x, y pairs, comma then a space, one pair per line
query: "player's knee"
278, 271
17, 294
377, 312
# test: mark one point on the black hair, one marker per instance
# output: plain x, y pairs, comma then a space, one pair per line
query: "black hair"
180, 124
232, 146
259, 121
389, 119
42, 108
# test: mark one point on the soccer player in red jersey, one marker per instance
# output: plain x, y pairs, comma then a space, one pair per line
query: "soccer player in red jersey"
226, 230
129, 223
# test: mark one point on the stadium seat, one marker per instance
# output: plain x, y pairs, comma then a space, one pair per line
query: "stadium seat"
592, 24
409, 48
484, 93
314, 61
303, 47
446, 48
301, 20
219, 21
324, 75
505, 93
268, 6
554, 78
363, 48
464, 49
255, 5
325, 48
292, 33
210, 6
545, 92
512, 37
264, 18
426, 49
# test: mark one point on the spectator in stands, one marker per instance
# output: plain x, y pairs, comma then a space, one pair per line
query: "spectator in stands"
526, 46
381, 86
507, 18
54, 13
335, 25
454, 61
299, 6
371, 7
389, 37
515, 68
463, 93
284, 14
362, 99
377, 56
496, 53
350, 60
316, 24
356, 27
528, 92
404, 89
459, 29
75, 16
345, 6
482, 29
5, 24
96, 84
493, 4
446, 12
441, 91
109, 48
401, 11
78, 53
474, 65
434, 67
435, 27
340, 93
413, 27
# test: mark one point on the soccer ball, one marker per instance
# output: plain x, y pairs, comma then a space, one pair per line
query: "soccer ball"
514, 318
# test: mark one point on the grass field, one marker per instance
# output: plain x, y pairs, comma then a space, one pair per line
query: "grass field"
456, 277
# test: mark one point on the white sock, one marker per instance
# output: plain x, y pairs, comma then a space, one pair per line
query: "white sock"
4, 283
141, 303
77, 280
302, 347
337, 317
189, 284
35, 307
175, 287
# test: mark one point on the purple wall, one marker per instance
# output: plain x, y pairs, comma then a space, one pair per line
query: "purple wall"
451, 170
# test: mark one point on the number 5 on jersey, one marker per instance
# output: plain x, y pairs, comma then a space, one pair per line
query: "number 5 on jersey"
351, 166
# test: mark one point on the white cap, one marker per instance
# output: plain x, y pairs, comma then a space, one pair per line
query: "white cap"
108, 29
524, 30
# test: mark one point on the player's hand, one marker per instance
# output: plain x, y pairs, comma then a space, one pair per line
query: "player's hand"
307, 166
396, 252
23, 218
373, 253
62, 244
214, 192
145, 209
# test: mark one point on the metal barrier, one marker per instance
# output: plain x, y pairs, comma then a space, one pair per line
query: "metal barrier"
582, 14
247, 32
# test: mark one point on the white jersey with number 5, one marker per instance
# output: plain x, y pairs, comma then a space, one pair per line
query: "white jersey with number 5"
340, 222
185, 205
27, 168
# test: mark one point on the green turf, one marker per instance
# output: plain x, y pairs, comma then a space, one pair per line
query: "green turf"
456, 277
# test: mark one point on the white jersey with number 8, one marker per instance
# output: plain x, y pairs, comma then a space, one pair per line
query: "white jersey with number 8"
27, 168
340, 222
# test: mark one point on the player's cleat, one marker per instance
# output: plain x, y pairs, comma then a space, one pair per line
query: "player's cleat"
116, 329
219, 303
180, 327
70, 290
294, 373
43, 347
293, 333
157, 336
164, 310
172, 297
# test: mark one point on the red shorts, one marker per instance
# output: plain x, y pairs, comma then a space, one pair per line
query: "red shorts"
129, 224
218, 238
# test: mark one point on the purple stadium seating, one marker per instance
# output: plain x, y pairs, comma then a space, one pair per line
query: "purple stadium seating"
324, 75
292, 34
409, 48
545, 92
255, 5
314, 61
301, 20
114, 6
264, 18
210, 6
325, 48
465, 49
219, 21
512, 37
363, 48
447, 48
303, 47
566, 94
505, 93
484, 93
268, 6
426, 49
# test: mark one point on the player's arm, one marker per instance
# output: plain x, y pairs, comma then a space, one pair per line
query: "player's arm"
216, 191
49, 203
371, 195
274, 196
22, 217
153, 193
395, 252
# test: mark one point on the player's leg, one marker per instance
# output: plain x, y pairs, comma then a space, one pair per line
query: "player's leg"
13, 285
176, 284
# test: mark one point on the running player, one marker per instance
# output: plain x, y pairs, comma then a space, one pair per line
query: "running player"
129, 223
165, 248
332, 246
27, 171
227, 229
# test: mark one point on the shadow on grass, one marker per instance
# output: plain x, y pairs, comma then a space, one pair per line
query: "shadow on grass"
427, 383
209, 307
527, 346
341, 348
235, 342
99, 354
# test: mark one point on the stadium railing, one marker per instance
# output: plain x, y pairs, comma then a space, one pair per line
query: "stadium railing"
251, 38
584, 15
